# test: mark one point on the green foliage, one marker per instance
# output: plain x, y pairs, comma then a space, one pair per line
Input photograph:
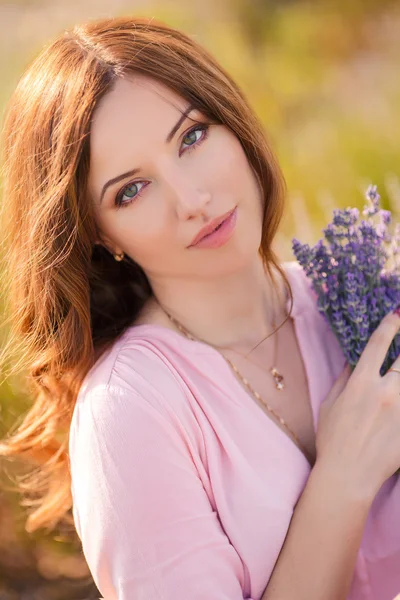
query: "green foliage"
323, 79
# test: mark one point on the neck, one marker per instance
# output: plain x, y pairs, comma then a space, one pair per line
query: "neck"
233, 312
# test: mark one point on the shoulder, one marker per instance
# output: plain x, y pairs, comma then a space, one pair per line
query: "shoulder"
136, 360
143, 370
305, 300
304, 296
315, 331
132, 405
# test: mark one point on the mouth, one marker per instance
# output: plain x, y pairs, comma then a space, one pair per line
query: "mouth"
214, 225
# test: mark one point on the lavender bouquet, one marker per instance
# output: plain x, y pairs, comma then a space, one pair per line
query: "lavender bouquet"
356, 275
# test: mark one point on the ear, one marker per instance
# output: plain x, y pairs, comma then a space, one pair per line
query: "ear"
108, 245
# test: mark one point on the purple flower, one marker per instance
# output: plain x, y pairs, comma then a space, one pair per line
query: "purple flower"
355, 274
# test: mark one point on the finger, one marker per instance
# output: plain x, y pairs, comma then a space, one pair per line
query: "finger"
378, 344
395, 365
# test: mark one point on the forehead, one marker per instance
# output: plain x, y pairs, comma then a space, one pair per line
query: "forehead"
127, 123
137, 104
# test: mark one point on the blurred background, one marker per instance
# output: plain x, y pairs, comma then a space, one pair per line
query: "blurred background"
324, 78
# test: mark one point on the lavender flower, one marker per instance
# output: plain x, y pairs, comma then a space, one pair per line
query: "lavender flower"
355, 273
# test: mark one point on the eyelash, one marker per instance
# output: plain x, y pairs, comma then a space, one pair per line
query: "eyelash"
202, 127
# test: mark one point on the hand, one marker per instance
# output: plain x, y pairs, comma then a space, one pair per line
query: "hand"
358, 437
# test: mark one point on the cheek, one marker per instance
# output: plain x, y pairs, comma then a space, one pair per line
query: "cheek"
143, 236
138, 229
234, 176
227, 165
144, 232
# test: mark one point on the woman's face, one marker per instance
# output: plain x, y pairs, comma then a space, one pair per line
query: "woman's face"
180, 184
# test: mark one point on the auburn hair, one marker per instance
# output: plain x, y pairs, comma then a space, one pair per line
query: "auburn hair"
67, 299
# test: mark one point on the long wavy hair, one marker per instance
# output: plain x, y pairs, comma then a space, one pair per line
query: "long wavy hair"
67, 299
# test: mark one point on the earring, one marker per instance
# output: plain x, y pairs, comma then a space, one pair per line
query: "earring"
119, 256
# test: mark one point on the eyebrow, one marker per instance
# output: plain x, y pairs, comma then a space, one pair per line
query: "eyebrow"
167, 140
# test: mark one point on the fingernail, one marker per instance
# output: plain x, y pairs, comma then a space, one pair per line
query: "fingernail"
397, 311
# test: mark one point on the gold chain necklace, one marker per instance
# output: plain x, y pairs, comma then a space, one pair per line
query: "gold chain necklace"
277, 376
253, 392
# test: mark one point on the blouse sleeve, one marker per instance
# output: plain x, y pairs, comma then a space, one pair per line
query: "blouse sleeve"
147, 528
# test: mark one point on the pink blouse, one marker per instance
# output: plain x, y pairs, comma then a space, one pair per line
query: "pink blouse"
183, 488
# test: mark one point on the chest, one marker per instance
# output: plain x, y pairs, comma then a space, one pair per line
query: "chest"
292, 403
252, 474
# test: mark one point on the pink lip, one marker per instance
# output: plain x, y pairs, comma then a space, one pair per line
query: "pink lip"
209, 228
217, 238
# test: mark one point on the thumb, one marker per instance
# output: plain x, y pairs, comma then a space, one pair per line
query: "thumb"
338, 386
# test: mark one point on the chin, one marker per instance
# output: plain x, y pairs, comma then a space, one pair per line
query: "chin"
234, 261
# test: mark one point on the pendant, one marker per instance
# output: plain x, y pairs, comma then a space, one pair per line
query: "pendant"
278, 379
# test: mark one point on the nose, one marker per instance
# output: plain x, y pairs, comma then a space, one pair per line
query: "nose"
189, 198
192, 203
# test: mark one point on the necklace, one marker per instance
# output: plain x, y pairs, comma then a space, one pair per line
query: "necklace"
277, 376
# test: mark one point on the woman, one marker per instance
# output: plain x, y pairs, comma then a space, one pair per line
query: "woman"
141, 200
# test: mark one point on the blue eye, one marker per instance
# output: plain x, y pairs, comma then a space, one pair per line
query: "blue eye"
194, 131
129, 190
